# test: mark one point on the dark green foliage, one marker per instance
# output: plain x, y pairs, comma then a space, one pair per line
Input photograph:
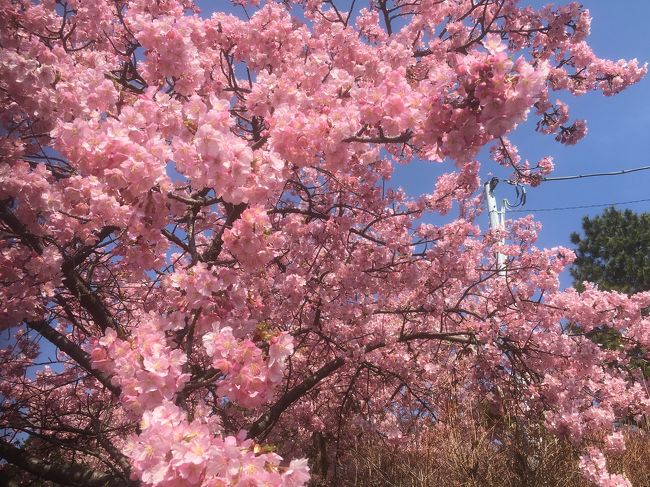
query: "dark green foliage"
614, 252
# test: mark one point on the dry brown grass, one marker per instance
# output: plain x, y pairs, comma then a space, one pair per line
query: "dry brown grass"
473, 459
472, 453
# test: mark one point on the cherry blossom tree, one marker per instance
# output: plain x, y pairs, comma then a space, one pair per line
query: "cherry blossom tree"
203, 271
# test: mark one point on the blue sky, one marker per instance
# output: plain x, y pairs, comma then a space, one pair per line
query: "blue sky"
618, 138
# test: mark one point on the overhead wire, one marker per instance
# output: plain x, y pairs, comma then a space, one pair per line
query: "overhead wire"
597, 174
581, 176
578, 176
580, 207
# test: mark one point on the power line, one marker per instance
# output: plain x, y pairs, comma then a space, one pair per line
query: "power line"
597, 174
582, 176
579, 207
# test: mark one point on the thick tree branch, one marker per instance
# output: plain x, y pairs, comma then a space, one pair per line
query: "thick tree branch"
72, 280
89, 300
265, 422
233, 212
16, 226
73, 351
83, 253
71, 474
382, 139
81, 290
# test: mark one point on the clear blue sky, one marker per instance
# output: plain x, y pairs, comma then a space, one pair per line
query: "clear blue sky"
618, 138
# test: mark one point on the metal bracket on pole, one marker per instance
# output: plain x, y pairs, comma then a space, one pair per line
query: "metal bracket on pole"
498, 216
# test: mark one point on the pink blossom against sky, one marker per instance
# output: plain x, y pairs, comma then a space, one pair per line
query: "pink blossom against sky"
617, 135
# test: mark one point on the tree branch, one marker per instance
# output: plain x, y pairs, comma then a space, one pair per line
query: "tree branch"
382, 139
73, 351
89, 300
16, 226
265, 422
71, 474
233, 212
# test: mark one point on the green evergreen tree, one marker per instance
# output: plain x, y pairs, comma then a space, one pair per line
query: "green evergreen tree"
614, 253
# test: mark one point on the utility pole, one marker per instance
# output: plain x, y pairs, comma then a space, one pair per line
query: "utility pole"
497, 219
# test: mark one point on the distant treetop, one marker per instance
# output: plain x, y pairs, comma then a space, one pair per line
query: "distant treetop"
614, 251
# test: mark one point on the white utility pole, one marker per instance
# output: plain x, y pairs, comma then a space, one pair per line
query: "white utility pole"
497, 219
